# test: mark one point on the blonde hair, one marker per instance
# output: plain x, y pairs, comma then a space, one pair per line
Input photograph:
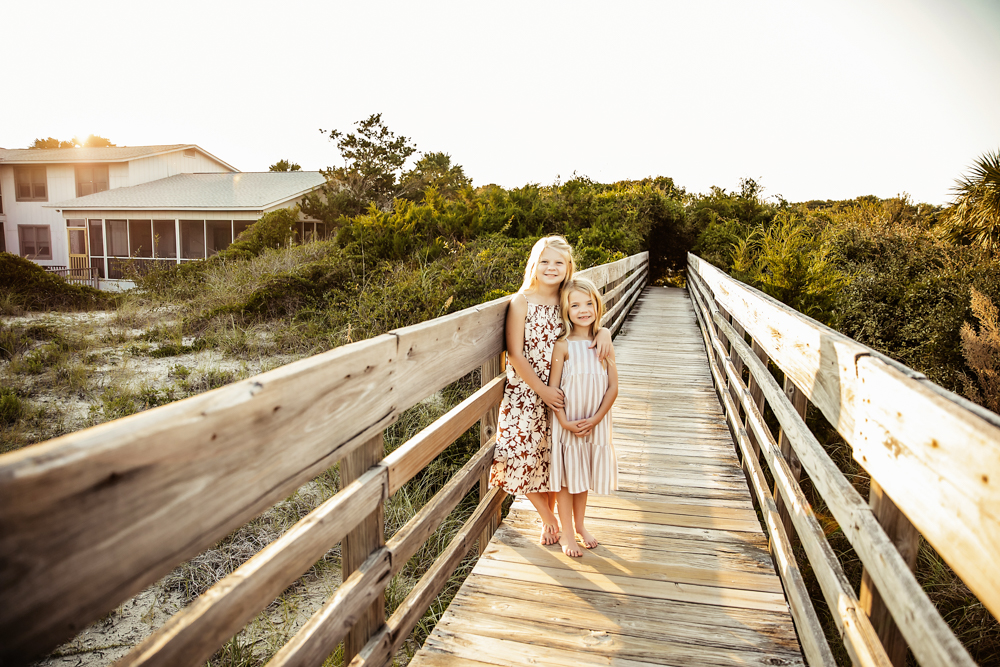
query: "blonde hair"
558, 244
587, 287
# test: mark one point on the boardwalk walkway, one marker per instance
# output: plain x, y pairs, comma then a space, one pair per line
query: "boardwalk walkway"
682, 575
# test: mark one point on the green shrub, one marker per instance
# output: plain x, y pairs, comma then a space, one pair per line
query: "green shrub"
12, 408
28, 286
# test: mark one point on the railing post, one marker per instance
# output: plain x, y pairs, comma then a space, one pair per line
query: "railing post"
361, 542
801, 404
488, 429
757, 394
907, 540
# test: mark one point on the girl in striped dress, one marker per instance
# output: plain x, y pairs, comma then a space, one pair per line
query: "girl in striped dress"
583, 457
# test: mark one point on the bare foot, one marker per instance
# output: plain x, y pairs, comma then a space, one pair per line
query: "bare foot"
550, 534
588, 540
569, 547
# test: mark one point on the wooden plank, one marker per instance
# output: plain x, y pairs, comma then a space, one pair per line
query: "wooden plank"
717, 595
800, 404
487, 430
930, 638
929, 449
192, 635
413, 456
472, 625
609, 611
366, 539
408, 539
907, 540
623, 561
323, 631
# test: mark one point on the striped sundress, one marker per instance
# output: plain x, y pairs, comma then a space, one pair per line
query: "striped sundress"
587, 463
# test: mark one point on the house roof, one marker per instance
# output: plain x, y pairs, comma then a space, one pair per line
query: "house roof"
232, 191
110, 154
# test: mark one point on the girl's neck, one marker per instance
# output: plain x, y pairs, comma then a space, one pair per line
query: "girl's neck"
540, 294
580, 334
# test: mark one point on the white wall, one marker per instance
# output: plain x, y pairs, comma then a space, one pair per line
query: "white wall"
118, 175
61, 181
144, 170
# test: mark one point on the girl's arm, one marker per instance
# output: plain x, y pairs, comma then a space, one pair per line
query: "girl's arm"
609, 396
602, 341
517, 311
555, 377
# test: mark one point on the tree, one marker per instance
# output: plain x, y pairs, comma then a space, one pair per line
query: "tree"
434, 170
92, 141
284, 165
371, 176
974, 216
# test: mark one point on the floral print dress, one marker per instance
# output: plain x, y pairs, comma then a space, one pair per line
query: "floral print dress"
522, 455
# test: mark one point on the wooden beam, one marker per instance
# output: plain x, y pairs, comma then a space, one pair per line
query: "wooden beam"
366, 539
800, 403
487, 431
192, 635
907, 540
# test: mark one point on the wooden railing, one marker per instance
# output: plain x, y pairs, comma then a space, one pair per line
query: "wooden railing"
90, 519
87, 275
933, 458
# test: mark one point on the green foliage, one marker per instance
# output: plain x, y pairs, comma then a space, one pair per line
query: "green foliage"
975, 215
12, 408
434, 170
30, 287
793, 263
284, 165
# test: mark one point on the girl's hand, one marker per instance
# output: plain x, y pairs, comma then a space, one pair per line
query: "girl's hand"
584, 427
552, 397
602, 341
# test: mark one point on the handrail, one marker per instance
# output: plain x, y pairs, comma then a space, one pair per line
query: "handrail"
904, 430
87, 274
89, 519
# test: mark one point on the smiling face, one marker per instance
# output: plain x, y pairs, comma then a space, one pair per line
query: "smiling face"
582, 311
551, 269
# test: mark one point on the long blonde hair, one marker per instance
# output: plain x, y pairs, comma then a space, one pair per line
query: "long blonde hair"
557, 243
584, 285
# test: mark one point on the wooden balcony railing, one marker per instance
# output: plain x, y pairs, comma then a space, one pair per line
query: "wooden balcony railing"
933, 458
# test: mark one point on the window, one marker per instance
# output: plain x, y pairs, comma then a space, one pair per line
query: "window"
29, 184
35, 241
140, 238
164, 238
192, 239
219, 236
117, 238
91, 178
3, 239
96, 239
1, 210
240, 226
77, 242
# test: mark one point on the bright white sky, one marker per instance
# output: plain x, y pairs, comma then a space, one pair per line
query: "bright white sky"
824, 99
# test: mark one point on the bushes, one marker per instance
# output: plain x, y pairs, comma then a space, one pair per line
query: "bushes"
30, 287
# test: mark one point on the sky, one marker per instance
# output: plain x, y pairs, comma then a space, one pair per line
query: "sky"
826, 99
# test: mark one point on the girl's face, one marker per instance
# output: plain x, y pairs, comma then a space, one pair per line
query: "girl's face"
551, 269
582, 309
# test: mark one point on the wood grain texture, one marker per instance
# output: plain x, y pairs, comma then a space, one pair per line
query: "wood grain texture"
936, 455
682, 574
192, 635
932, 641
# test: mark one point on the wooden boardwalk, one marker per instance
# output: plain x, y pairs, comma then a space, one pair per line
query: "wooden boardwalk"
682, 576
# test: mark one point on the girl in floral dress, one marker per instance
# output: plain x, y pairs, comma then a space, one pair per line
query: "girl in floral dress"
521, 459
